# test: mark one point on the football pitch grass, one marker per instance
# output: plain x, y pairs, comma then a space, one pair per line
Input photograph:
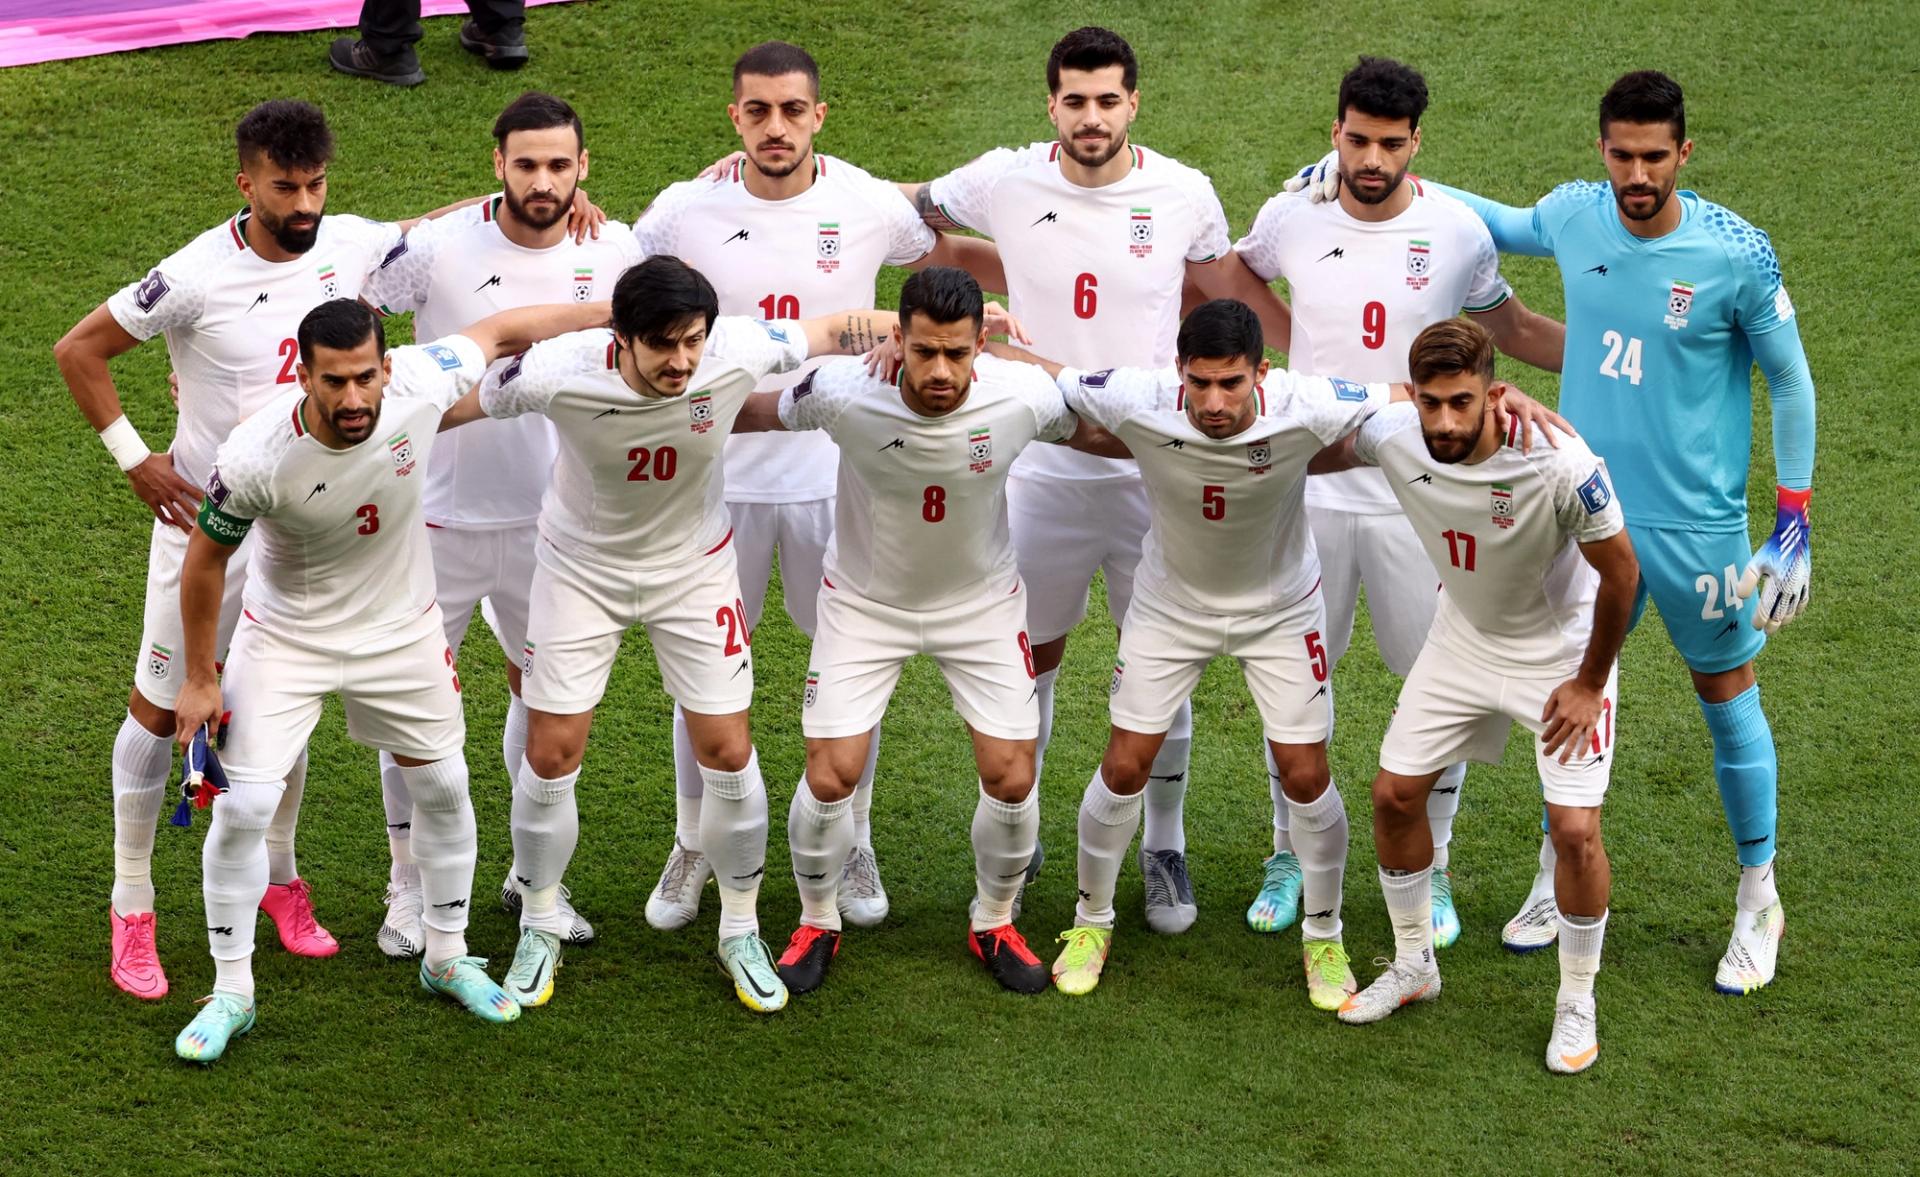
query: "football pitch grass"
1197, 1053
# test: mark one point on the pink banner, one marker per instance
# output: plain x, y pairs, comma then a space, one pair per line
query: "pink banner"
85, 28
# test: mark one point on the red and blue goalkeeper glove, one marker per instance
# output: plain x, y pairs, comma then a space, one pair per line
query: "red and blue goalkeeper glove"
1782, 570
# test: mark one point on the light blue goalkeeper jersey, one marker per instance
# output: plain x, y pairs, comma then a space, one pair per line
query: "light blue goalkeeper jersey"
1661, 338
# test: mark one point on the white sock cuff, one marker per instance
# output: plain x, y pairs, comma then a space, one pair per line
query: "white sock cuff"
1583, 938
1182, 726
1549, 858
1405, 888
1045, 679
1107, 807
139, 752
439, 787
1757, 890
1011, 814
733, 786
820, 812
540, 790
1321, 813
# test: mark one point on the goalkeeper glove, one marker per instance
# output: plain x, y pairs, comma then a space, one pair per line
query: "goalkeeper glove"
1320, 181
1782, 570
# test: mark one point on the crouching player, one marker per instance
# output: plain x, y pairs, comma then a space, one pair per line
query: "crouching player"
1538, 579
342, 600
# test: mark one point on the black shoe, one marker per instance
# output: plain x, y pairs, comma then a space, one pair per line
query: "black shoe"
504, 49
803, 966
353, 57
1005, 953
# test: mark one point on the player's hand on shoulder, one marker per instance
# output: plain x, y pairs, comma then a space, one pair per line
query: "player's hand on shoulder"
1001, 321
172, 499
173, 388
718, 169
883, 362
585, 218
1572, 715
1780, 574
1518, 415
1319, 181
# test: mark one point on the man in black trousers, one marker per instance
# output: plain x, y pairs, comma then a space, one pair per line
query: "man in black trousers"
389, 29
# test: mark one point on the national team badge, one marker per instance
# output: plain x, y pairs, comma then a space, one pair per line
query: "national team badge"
329, 280
1679, 302
812, 692
159, 661
1260, 456
526, 660
1140, 232
1419, 261
700, 412
1595, 494
979, 450
826, 243
1119, 669
583, 283
1503, 505
401, 448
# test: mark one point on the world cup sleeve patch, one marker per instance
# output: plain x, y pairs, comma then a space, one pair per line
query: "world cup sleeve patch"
445, 356
777, 334
394, 254
1347, 390
1595, 494
511, 372
216, 490
1096, 379
149, 293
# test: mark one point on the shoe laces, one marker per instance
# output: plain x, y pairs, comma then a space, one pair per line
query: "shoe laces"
1282, 868
1084, 945
1442, 887
139, 939
801, 942
303, 922
1007, 938
680, 867
1576, 1016
862, 878
1328, 959
1166, 878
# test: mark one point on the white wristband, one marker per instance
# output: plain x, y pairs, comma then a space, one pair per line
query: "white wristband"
123, 442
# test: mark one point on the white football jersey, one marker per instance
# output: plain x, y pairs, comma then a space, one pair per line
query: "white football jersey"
452, 273
920, 521
1361, 291
230, 319
340, 550
1095, 274
1229, 534
814, 254
637, 481
1504, 535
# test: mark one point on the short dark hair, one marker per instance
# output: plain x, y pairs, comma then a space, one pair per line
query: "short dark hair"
773, 59
1225, 328
1448, 347
1385, 89
657, 295
534, 111
292, 134
1645, 96
942, 294
341, 324
1092, 48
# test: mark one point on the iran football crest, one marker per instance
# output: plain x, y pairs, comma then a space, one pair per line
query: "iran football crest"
1140, 232
1119, 670
1679, 302
812, 693
329, 281
826, 243
700, 412
979, 450
1503, 505
1419, 261
401, 448
159, 661
1260, 456
583, 284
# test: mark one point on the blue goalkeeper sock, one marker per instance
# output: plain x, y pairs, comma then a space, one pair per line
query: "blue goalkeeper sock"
1748, 771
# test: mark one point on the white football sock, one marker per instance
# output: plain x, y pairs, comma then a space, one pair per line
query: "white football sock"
142, 763
1003, 839
1410, 907
1549, 858
399, 806
233, 872
1107, 823
1282, 816
863, 794
546, 828
1320, 839
688, 785
281, 866
733, 829
513, 737
1166, 793
1443, 802
1043, 694
1580, 937
234, 976
820, 836
1757, 891
444, 847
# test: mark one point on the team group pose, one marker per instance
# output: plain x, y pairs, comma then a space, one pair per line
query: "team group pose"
639, 421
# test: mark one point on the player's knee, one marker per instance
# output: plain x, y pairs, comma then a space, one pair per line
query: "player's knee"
1576, 836
726, 754
1010, 785
831, 775
1303, 771
553, 759
1124, 774
1399, 801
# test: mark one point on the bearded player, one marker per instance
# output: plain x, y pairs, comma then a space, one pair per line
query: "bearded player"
1365, 274
484, 486
787, 232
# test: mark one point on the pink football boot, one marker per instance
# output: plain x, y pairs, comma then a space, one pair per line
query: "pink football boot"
290, 906
136, 963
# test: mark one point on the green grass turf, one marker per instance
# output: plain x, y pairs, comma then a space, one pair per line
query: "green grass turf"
1198, 1053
